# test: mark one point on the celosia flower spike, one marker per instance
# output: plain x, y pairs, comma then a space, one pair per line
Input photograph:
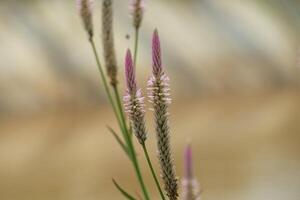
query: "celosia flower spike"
85, 10
159, 96
134, 101
136, 8
190, 186
108, 41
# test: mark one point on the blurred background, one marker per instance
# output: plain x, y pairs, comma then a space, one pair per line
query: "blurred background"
235, 71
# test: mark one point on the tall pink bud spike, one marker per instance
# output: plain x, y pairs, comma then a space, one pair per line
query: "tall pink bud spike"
156, 55
158, 87
129, 72
190, 186
188, 161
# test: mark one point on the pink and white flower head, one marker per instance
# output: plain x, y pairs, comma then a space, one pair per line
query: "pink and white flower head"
158, 74
134, 101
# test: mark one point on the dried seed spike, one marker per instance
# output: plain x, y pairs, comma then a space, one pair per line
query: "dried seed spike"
108, 41
136, 8
85, 10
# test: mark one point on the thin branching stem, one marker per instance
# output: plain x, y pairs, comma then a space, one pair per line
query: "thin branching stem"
118, 113
130, 145
105, 84
118, 110
153, 172
136, 46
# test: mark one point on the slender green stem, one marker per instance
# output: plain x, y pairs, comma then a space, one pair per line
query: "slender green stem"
136, 46
105, 84
131, 146
119, 104
139, 175
153, 172
136, 39
121, 119
103, 78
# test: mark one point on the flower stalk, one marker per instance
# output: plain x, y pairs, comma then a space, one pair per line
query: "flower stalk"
86, 15
111, 67
134, 107
158, 87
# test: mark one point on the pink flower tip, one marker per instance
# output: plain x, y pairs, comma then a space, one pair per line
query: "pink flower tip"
129, 72
156, 54
188, 160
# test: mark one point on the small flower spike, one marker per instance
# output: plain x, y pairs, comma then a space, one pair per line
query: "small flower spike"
137, 10
85, 10
190, 186
158, 87
108, 41
134, 101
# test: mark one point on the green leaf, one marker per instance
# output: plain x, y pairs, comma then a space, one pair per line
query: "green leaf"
121, 143
126, 194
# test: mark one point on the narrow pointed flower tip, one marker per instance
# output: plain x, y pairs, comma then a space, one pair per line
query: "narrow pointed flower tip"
156, 54
188, 161
129, 72
85, 10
